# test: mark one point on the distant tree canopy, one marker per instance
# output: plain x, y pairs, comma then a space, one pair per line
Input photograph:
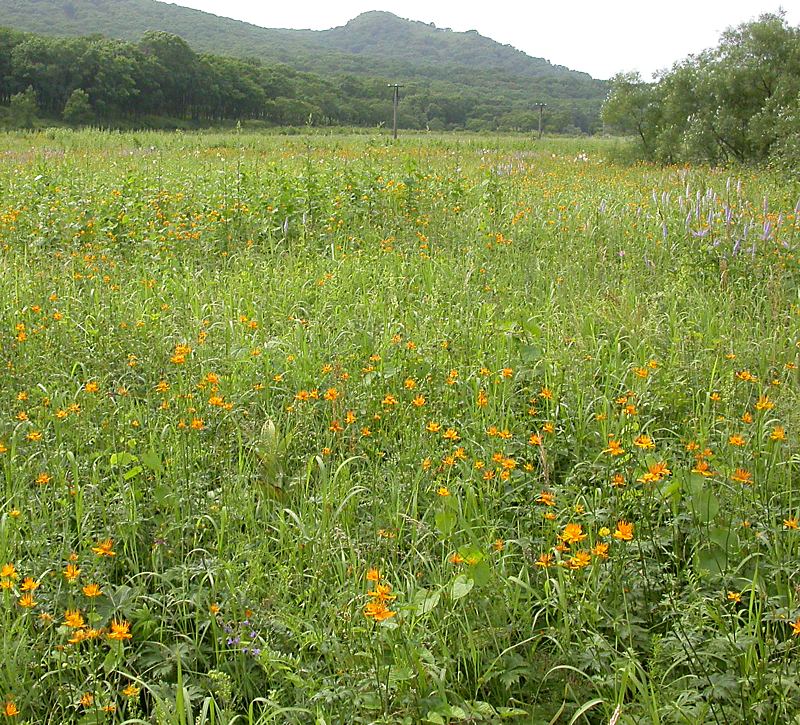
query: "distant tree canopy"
97, 80
737, 102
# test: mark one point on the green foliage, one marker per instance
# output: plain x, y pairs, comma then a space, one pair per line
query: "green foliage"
339, 76
78, 110
23, 108
735, 103
318, 428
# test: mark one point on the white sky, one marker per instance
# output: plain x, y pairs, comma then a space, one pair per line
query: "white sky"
600, 38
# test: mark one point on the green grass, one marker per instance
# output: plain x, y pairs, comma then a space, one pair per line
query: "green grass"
243, 355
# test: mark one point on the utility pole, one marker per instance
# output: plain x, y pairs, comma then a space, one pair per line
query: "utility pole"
541, 107
396, 87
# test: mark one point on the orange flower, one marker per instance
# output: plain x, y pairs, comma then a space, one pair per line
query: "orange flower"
579, 561
373, 575
644, 442
92, 591
120, 630
546, 498
740, 475
655, 472
544, 561
624, 531
26, 601
614, 448
764, 403
104, 548
703, 469
451, 434
131, 691
572, 534
71, 573
10, 709
74, 619
796, 627
778, 433
600, 551
378, 611
383, 593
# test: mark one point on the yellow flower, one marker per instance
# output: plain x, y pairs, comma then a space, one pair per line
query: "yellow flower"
735, 597
443, 491
9, 571
29, 585
796, 627
71, 573
737, 440
790, 523
91, 387
373, 575
645, 442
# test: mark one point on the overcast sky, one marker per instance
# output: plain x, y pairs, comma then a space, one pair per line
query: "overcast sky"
601, 38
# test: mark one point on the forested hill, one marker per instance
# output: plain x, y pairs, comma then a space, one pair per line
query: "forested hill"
454, 80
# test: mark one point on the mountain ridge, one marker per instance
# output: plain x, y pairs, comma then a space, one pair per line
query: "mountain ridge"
455, 77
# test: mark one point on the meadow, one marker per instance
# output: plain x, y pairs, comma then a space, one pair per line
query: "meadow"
330, 429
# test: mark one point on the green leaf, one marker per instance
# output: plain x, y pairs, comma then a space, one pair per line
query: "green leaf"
132, 473
462, 585
446, 521
428, 604
122, 459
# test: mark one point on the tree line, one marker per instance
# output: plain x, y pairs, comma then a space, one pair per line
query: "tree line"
738, 102
162, 81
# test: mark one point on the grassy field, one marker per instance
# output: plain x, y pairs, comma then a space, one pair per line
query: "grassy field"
326, 429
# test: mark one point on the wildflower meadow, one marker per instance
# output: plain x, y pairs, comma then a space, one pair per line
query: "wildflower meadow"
331, 429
